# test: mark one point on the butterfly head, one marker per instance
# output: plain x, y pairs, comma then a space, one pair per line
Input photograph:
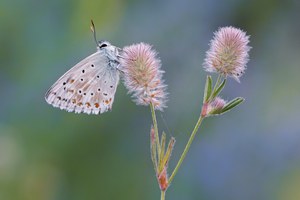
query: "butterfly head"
111, 51
103, 44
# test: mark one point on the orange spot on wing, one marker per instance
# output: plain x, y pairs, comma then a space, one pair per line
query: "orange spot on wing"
79, 104
96, 105
73, 101
86, 87
88, 104
72, 81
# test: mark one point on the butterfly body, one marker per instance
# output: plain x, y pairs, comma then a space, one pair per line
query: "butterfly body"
90, 86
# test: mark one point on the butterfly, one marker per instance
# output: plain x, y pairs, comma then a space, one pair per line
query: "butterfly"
90, 86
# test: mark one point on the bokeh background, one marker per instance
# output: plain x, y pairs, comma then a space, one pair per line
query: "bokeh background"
252, 152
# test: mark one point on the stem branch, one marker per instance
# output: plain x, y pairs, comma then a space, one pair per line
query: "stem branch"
217, 84
162, 195
155, 129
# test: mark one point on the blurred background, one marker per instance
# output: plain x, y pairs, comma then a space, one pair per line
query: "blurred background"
252, 152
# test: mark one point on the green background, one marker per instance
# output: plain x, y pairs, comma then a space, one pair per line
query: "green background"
252, 152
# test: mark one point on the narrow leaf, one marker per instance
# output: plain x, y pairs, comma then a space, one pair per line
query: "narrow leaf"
217, 91
233, 103
207, 90
169, 151
162, 150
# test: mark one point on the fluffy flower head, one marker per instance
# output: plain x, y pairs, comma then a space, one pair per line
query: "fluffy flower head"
143, 76
216, 106
228, 53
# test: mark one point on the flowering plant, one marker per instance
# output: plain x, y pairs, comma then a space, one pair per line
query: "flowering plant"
143, 77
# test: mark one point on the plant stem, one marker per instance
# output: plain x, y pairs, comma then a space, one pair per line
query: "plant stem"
186, 149
217, 83
162, 196
155, 129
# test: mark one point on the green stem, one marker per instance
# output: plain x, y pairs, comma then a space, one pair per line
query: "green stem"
186, 149
217, 83
155, 129
163, 194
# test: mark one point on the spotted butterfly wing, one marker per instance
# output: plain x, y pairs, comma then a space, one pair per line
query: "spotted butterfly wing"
90, 86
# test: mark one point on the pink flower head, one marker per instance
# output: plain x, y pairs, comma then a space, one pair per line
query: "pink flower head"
228, 53
143, 76
216, 106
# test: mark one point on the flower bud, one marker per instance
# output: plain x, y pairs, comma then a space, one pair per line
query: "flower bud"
216, 106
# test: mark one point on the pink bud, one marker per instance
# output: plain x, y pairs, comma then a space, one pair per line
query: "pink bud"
152, 135
163, 179
216, 106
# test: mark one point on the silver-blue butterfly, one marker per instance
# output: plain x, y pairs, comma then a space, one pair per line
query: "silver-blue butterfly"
90, 86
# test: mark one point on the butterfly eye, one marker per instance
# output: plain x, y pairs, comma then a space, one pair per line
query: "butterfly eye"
103, 45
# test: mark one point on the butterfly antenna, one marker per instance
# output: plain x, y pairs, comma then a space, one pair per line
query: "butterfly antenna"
94, 31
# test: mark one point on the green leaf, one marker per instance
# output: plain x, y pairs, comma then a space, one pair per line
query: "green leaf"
217, 91
215, 112
233, 103
207, 90
162, 150
169, 151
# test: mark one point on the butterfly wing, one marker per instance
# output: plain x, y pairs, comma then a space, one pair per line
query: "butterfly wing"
88, 87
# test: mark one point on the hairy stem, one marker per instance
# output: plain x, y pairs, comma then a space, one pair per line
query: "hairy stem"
155, 129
